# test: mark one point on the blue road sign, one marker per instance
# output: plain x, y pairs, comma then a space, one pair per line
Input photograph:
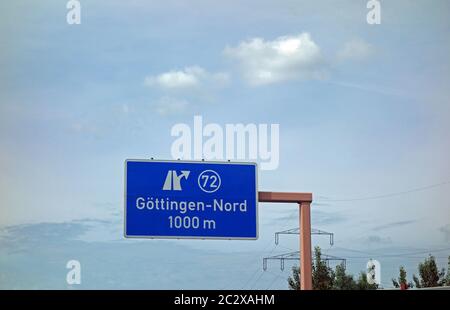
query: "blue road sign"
187, 199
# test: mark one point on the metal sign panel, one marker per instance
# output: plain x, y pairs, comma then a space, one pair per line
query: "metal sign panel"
191, 199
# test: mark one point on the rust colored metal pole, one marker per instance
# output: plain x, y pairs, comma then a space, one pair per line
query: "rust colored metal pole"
284, 197
304, 201
305, 246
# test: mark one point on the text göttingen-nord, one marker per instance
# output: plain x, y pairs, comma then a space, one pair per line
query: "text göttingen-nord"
183, 207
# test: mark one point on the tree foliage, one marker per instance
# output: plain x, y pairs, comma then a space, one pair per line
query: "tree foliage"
342, 280
325, 278
363, 284
402, 280
429, 274
322, 275
294, 280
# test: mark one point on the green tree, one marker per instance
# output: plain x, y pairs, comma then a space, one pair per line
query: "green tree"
324, 278
342, 280
429, 275
363, 284
294, 280
322, 275
402, 280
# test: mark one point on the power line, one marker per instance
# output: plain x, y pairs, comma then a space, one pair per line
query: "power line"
256, 272
260, 275
277, 277
408, 254
325, 199
418, 189
290, 217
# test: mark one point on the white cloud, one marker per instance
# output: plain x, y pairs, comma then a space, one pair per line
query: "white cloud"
190, 78
356, 49
167, 106
285, 58
192, 83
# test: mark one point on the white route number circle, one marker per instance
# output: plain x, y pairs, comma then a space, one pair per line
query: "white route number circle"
209, 181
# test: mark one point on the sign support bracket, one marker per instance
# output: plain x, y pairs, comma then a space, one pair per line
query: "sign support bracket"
304, 201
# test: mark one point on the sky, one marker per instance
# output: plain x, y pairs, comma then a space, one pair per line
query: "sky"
363, 112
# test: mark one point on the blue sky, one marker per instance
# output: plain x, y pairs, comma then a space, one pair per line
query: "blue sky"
363, 114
